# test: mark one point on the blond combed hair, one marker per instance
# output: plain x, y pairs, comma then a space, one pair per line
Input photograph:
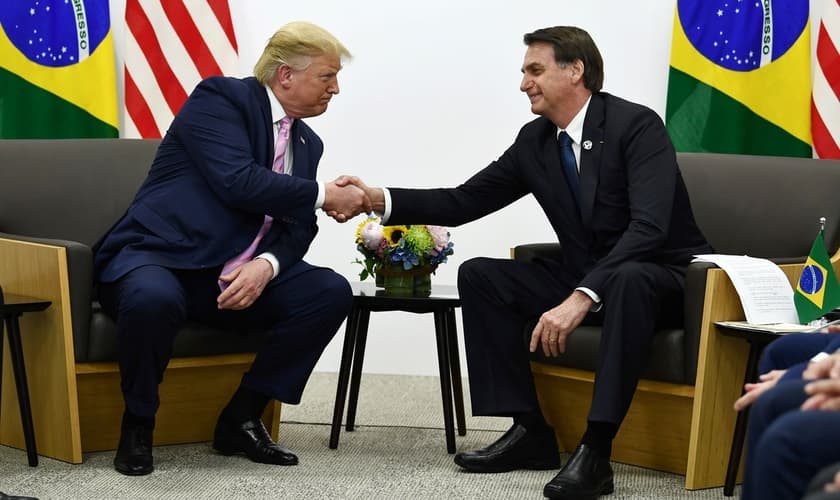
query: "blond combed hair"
295, 44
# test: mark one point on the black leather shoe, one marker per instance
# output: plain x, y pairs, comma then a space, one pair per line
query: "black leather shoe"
252, 439
586, 476
4, 496
518, 448
134, 454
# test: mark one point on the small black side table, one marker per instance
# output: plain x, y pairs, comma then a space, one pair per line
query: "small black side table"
758, 340
12, 308
366, 298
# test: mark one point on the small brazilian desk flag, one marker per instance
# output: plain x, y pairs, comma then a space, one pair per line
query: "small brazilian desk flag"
818, 291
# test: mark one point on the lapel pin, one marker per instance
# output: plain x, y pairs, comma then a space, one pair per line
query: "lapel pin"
587, 144
302, 140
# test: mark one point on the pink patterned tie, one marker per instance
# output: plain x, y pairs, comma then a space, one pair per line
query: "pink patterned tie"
278, 166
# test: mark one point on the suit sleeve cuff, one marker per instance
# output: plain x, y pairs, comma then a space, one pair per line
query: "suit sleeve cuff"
275, 264
319, 202
819, 357
594, 296
387, 213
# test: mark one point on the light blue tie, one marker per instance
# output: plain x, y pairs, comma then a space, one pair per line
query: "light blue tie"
567, 159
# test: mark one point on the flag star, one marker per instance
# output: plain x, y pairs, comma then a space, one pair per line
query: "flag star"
48, 8
737, 11
63, 49
715, 44
31, 12
719, 13
752, 53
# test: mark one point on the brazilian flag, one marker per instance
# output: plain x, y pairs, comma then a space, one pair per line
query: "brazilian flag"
818, 291
739, 80
57, 70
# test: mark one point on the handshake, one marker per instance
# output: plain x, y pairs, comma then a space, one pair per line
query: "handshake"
348, 196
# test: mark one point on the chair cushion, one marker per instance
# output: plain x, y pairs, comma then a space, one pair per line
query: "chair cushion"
193, 340
666, 362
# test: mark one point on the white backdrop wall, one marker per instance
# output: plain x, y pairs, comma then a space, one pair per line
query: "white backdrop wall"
431, 96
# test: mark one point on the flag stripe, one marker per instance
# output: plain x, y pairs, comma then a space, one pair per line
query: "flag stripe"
170, 46
823, 144
191, 39
692, 128
145, 81
825, 101
825, 92
220, 9
143, 32
213, 34
29, 112
137, 108
828, 60
174, 52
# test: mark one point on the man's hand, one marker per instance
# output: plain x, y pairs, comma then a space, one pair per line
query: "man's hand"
825, 395
345, 201
376, 195
753, 391
245, 284
826, 368
557, 323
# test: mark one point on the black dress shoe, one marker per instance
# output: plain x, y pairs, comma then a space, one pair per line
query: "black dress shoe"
586, 476
518, 448
134, 454
252, 439
4, 496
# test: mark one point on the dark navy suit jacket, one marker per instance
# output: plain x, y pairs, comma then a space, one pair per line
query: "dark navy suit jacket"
211, 184
634, 204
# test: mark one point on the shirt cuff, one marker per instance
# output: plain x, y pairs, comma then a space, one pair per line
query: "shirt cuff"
319, 202
275, 264
819, 357
594, 296
387, 213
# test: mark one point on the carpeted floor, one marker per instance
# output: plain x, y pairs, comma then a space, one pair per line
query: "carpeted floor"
397, 452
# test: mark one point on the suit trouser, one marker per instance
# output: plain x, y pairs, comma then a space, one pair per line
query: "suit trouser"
786, 446
301, 309
499, 297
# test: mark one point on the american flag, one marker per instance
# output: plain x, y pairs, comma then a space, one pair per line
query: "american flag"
825, 97
171, 45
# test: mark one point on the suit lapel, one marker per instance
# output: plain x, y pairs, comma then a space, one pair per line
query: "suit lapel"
592, 145
302, 161
268, 126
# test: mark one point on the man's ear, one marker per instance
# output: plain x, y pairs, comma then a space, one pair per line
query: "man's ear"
577, 70
284, 75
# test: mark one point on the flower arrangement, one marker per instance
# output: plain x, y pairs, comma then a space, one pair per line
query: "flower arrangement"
417, 247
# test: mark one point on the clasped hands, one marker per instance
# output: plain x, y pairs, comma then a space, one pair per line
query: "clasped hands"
347, 196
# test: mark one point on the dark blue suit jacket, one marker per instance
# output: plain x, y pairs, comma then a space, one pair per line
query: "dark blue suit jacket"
211, 185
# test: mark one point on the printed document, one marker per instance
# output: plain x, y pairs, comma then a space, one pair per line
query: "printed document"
765, 292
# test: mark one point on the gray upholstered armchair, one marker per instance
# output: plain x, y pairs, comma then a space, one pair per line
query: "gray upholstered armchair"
57, 198
681, 419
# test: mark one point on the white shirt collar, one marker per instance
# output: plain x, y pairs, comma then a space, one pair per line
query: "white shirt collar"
277, 111
575, 127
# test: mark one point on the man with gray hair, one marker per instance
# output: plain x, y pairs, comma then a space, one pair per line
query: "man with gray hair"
217, 234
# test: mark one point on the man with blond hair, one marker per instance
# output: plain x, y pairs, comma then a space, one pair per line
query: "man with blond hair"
217, 234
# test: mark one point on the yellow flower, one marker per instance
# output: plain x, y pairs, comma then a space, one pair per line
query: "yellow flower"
393, 234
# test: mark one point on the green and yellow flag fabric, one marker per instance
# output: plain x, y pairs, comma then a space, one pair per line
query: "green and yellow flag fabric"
739, 80
57, 70
818, 291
